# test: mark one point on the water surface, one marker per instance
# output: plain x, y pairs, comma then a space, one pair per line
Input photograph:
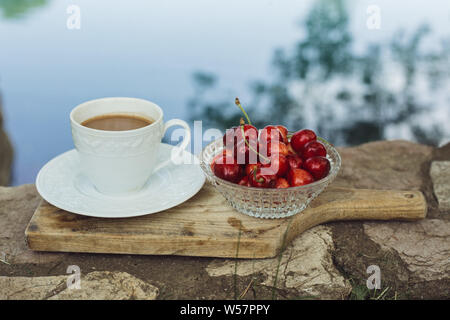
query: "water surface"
150, 49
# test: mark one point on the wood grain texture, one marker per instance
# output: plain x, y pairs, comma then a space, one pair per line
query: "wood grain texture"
206, 226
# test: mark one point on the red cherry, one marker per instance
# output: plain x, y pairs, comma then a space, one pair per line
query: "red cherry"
281, 183
245, 182
250, 132
221, 157
276, 133
319, 167
213, 162
229, 138
259, 180
299, 177
291, 150
313, 149
245, 154
233, 136
284, 132
273, 147
278, 166
294, 162
302, 137
226, 168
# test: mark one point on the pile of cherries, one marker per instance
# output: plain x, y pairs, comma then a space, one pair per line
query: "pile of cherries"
269, 159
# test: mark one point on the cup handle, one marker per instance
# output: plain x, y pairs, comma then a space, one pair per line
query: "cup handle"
178, 150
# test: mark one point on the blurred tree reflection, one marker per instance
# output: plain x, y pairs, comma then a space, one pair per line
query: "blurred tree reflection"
347, 97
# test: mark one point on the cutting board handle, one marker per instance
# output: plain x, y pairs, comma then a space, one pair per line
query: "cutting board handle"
338, 204
366, 204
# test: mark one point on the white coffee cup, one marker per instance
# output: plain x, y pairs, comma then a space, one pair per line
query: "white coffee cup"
121, 162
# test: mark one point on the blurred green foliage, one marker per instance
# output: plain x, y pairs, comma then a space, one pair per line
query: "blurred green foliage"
14, 9
348, 97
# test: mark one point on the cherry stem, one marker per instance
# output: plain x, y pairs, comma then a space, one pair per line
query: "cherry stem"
249, 146
238, 103
260, 180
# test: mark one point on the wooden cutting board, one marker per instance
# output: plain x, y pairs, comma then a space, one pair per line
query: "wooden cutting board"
207, 226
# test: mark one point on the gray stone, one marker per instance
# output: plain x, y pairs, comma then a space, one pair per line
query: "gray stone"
306, 266
440, 175
17, 205
383, 165
423, 245
94, 286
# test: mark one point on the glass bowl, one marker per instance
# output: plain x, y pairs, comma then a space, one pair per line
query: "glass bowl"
268, 203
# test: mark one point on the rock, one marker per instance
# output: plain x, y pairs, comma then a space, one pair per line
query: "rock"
424, 246
440, 175
6, 154
17, 205
94, 286
383, 165
306, 266
413, 256
442, 153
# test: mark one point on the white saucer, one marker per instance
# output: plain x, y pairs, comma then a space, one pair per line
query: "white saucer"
61, 183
